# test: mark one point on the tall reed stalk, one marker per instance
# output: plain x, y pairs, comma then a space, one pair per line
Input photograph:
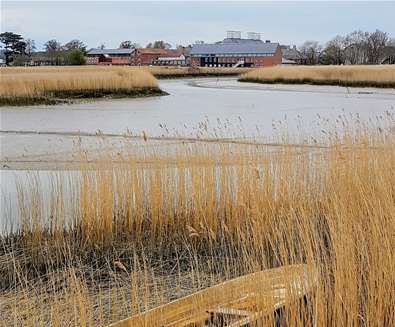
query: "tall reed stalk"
137, 235
373, 76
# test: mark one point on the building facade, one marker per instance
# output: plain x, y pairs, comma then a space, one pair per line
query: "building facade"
109, 56
292, 56
170, 61
236, 52
150, 56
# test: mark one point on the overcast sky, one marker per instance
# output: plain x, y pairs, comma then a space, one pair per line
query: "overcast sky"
183, 22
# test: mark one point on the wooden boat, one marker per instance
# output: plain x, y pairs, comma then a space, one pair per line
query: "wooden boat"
243, 301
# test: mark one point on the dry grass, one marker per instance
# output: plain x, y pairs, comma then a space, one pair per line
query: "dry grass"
378, 76
174, 72
68, 82
138, 235
51, 85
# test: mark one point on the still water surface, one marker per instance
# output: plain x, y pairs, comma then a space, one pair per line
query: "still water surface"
244, 109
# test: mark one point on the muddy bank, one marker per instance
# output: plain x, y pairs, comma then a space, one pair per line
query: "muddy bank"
309, 81
78, 96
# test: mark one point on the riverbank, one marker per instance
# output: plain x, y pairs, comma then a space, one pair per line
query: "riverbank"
58, 85
187, 72
379, 76
78, 96
26, 86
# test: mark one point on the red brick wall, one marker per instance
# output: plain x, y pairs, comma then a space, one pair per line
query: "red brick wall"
126, 60
145, 57
123, 60
194, 61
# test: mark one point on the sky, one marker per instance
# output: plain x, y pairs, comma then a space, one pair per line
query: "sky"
184, 22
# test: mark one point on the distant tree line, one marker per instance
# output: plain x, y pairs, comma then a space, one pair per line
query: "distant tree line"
19, 51
159, 44
355, 48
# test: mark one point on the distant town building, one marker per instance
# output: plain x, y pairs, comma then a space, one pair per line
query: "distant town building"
388, 55
236, 52
292, 56
170, 61
136, 57
109, 56
148, 56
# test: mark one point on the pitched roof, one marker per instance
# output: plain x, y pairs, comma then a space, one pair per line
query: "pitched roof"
109, 51
239, 46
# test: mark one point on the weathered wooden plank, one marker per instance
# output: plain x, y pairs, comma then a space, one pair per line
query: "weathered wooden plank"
256, 295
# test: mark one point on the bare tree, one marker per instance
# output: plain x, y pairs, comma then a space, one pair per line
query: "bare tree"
159, 45
355, 48
311, 50
333, 53
53, 48
376, 44
30, 47
129, 45
75, 44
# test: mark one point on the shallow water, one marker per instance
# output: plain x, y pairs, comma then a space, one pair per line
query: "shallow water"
227, 107
192, 101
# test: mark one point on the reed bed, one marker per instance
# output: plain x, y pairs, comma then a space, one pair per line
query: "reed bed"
21, 86
177, 72
361, 76
109, 242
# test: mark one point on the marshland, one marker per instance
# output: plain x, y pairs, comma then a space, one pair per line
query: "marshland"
54, 85
142, 228
354, 76
157, 170
100, 222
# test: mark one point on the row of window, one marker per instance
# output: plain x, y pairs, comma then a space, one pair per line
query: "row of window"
222, 65
236, 55
230, 60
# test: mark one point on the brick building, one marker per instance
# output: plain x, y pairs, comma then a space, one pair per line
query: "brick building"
236, 52
149, 56
109, 56
292, 56
170, 61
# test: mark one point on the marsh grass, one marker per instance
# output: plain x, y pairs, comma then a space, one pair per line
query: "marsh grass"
178, 72
21, 86
126, 238
356, 76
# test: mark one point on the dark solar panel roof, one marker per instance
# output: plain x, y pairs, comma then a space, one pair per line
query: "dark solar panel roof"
245, 47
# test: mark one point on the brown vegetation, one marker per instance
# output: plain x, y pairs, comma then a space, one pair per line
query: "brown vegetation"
21, 86
176, 72
103, 244
374, 76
